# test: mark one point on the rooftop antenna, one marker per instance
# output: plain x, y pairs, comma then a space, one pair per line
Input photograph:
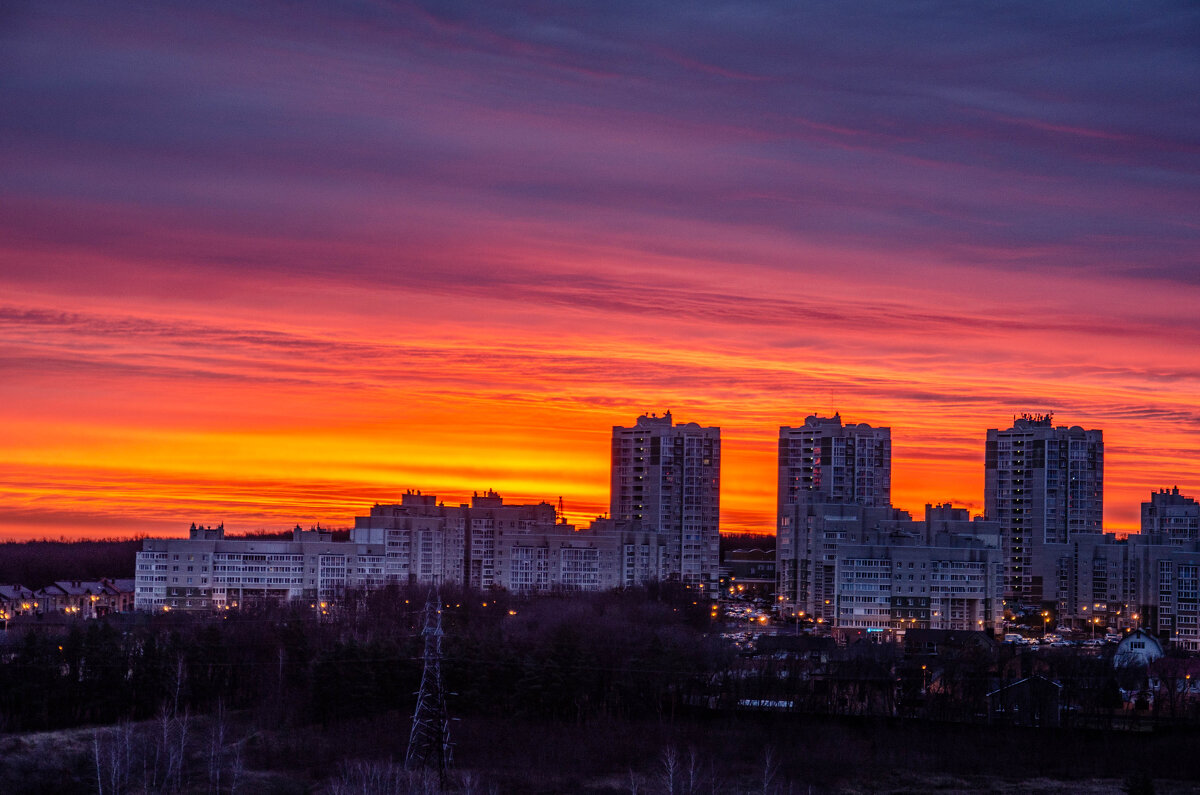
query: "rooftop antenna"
562, 518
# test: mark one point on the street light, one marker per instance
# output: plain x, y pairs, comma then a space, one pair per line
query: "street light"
1045, 622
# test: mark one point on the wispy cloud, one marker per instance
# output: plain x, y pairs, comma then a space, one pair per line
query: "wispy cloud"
247, 246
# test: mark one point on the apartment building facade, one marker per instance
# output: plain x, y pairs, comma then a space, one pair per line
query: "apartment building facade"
826, 536
207, 571
900, 581
666, 479
483, 544
1045, 486
824, 464
1172, 515
825, 461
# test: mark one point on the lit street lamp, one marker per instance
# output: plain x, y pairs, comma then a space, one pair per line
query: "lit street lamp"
1045, 622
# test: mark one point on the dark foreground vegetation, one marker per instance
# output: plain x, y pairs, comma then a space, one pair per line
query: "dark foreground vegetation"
569, 658
558, 694
36, 564
746, 540
692, 754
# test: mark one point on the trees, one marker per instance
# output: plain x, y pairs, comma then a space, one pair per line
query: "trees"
36, 564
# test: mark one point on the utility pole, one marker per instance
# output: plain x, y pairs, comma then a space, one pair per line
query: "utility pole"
429, 743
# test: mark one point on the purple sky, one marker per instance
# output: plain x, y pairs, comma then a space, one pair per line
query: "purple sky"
526, 215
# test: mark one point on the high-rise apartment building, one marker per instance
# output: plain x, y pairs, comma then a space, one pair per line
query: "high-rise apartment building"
666, 479
1173, 515
824, 463
1045, 486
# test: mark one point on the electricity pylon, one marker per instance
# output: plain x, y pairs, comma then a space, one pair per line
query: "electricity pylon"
429, 743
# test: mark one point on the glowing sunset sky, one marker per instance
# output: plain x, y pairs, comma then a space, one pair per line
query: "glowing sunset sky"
271, 265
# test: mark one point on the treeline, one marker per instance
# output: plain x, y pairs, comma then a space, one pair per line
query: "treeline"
336, 534
746, 541
213, 700
628, 654
36, 564
882, 680
616, 692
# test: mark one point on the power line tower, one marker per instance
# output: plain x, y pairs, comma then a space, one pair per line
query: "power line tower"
429, 743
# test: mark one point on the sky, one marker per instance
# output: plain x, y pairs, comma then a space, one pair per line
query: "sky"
271, 263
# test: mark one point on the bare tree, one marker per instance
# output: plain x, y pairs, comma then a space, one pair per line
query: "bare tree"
669, 760
99, 764
235, 768
471, 783
216, 747
387, 778
183, 723
160, 770
167, 770
692, 772
714, 781
179, 676
125, 745
112, 751
770, 770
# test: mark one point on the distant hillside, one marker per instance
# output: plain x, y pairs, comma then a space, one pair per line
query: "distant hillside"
36, 564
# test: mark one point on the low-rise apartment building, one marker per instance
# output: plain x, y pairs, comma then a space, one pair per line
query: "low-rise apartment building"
484, 544
814, 539
206, 570
900, 581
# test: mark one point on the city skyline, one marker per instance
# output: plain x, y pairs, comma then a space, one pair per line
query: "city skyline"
651, 419
271, 264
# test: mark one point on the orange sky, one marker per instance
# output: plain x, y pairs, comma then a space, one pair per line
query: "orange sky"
263, 267
131, 420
